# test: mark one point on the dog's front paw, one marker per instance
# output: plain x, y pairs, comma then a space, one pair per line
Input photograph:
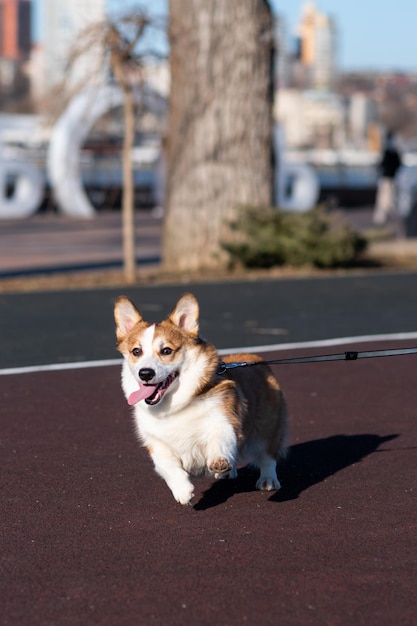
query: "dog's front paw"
220, 467
183, 493
268, 483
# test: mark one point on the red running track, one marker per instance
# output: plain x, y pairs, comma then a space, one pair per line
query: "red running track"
90, 534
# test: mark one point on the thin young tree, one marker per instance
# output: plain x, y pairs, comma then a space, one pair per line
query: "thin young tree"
220, 125
125, 64
117, 50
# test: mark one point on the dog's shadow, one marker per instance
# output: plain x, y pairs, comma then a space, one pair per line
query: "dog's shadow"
307, 464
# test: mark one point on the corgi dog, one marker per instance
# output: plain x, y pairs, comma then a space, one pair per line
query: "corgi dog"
193, 415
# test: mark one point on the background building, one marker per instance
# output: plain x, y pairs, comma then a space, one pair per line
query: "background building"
15, 43
363, 118
15, 24
318, 47
60, 23
311, 118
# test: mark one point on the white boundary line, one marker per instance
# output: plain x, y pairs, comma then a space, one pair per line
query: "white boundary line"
321, 343
58, 367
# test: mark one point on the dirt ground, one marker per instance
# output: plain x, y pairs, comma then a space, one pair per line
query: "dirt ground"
378, 260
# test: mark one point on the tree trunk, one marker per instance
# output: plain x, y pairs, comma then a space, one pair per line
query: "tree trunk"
220, 126
128, 206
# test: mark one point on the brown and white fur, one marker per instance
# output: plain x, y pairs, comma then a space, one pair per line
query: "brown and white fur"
191, 418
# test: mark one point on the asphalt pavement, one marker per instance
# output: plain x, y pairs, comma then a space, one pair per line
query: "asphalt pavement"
67, 326
51, 243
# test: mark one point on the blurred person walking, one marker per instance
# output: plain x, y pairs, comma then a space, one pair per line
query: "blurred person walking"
385, 204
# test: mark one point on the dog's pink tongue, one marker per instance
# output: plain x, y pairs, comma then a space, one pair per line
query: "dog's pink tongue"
142, 393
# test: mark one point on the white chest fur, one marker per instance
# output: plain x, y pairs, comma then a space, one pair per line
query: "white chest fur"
196, 435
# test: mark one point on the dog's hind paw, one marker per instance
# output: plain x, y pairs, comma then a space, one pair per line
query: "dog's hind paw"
231, 474
220, 467
268, 483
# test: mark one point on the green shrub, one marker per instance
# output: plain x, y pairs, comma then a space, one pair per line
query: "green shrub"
269, 237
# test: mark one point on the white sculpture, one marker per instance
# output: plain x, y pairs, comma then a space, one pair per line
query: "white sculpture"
71, 131
67, 138
28, 188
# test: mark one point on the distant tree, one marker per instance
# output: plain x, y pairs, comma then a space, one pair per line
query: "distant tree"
119, 50
219, 148
125, 65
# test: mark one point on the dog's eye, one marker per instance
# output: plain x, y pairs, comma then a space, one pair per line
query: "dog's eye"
166, 351
136, 352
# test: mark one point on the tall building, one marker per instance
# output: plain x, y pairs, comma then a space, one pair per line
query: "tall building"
318, 46
15, 38
61, 22
307, 34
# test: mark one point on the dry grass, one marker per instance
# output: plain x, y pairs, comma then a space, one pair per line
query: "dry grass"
376, 259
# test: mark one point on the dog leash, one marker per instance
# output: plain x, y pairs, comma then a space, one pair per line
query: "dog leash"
350, 355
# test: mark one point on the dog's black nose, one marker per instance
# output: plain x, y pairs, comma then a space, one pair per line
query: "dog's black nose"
146, 374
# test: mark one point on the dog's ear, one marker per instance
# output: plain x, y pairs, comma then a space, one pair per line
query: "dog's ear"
185, 314
126, 316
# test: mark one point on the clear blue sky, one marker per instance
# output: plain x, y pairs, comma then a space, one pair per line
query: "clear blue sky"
374, 34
